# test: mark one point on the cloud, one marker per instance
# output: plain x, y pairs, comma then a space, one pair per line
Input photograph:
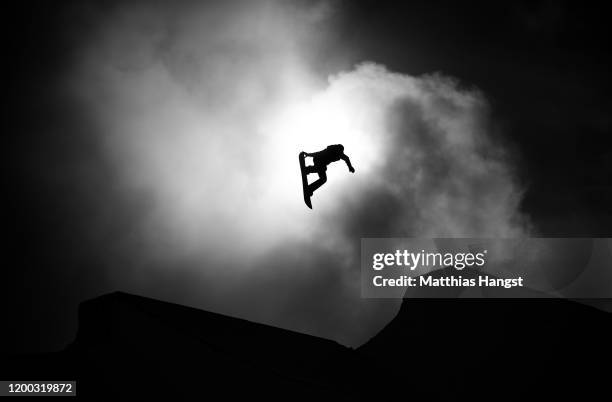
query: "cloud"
202, 111
442, 171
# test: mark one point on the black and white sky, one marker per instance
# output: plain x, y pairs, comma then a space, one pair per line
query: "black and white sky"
151, 148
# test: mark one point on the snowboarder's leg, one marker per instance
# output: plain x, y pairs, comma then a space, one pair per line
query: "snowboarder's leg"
311, 169
319, 182
316, 166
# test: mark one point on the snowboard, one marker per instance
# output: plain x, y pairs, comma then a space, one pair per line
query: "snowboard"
302, 157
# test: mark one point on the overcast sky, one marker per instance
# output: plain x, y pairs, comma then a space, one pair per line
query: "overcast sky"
155, 149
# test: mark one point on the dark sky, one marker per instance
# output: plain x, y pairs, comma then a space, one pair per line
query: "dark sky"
543, 67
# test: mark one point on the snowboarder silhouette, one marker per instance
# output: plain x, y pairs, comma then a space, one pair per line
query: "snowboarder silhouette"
320, 161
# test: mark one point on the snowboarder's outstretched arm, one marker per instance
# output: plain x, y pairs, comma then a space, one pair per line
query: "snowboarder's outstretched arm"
348, 163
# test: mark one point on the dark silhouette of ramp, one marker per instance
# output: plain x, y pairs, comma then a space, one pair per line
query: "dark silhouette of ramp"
498, 349
131, 347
